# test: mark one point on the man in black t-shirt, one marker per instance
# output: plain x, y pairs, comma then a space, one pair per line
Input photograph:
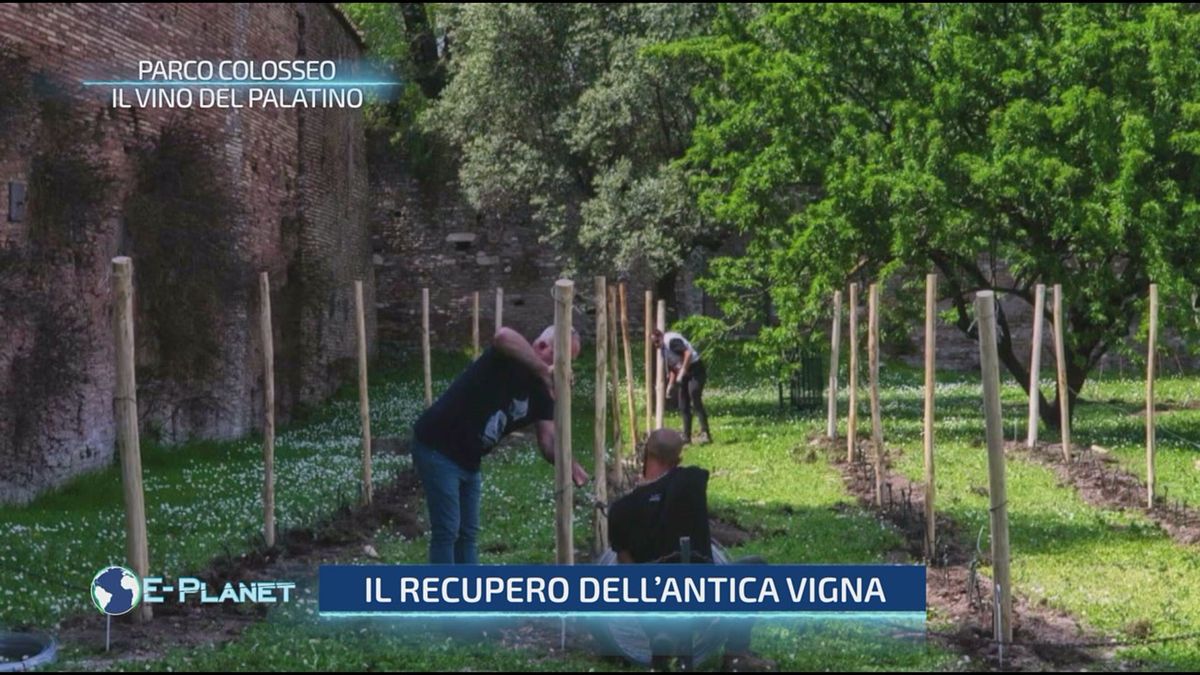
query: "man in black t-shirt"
509, 387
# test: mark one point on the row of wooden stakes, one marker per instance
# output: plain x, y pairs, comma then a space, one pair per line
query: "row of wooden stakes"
126, 412
985, 314
610, 302
611, 309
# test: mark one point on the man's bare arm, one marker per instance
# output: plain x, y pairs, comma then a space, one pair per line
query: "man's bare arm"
687, 361
514, 345
545, 438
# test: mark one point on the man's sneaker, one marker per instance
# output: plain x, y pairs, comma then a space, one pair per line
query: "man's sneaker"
746, 663
704, 438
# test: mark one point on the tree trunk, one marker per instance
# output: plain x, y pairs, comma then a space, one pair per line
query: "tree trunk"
430, 73
960, 293
1076, 375
664, 288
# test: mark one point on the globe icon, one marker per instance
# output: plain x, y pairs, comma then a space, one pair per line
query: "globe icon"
116, 590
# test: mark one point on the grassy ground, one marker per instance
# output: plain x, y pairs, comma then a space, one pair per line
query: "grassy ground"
203, 499
796, 508
1114, 570
1113, 417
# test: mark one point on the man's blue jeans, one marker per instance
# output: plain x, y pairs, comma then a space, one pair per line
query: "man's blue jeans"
452, 496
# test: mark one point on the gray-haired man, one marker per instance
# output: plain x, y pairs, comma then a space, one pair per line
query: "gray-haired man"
510, 386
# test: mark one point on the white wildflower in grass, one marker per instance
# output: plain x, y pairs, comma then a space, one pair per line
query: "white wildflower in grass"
202, 501
1107, 568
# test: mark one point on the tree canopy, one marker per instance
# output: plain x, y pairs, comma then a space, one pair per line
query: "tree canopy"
557, 111
1000, 146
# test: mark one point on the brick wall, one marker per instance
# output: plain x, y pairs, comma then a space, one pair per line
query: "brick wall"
299, 177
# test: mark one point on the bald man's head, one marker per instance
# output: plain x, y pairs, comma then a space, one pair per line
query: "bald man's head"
665, 446
543, 345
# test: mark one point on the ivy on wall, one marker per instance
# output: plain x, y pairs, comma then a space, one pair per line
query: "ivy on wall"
66, 193
180, 218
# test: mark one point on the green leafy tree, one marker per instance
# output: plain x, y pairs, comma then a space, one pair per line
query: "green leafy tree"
560, 114
1001, 146
402, 39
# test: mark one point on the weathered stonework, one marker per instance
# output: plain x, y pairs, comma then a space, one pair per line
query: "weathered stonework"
299, 177
434, 239
427, 235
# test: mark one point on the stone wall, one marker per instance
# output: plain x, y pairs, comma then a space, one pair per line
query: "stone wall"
429, 237
426, 235
297, 180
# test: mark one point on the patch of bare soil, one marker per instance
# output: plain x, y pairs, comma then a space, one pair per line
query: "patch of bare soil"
348, 534
1100, 481
1044, 638
1161, 406
546, 639
727, 534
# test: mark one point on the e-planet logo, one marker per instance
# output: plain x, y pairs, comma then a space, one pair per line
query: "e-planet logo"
254, 592
116, 591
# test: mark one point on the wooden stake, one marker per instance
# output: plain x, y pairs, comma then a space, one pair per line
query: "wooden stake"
137, 549
268, 346
1035, 364
835, 346
1064, 391
499, 309
615, 379
876, 413
475, 325
364, 401
852, 422
633, 430
1151, 359
648, 365
564, 488
660, 380
425, 347
599, 437
989, 361
930, 383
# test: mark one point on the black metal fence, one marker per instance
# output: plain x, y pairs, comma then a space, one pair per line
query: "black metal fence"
804, 381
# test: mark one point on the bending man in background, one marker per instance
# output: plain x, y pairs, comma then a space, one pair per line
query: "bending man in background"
687, 371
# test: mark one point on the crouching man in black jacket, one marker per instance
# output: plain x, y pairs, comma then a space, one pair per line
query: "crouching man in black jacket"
645, 526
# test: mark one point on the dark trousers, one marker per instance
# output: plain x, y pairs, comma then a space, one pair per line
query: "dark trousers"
691, 395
